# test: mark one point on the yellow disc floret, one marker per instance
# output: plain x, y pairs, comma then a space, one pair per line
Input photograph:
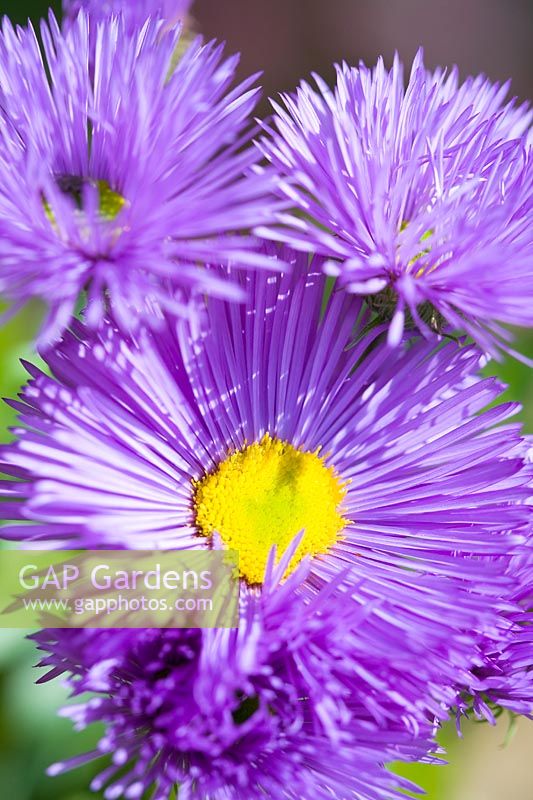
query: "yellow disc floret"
264, 495
110, 203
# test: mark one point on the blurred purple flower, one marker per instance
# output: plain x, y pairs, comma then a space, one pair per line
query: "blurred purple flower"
136, 12
121, 180
421, 196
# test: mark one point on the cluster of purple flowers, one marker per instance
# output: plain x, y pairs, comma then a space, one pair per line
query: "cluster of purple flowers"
278, 351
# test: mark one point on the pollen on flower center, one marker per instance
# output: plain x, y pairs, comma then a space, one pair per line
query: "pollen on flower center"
110, 202
264, 495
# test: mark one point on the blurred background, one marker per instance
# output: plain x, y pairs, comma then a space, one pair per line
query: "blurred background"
286, 41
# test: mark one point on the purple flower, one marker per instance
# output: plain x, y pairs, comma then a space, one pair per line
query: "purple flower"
504, 675
136, 12
420, 196
281, 417
121, 180
274, 709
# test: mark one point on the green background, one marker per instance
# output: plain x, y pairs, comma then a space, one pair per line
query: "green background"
32, 736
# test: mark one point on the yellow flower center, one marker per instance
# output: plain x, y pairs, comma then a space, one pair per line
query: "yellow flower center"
110, 202
264, 495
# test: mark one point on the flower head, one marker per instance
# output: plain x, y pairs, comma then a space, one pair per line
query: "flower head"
420, 196
281, 414
119, 179
273, 709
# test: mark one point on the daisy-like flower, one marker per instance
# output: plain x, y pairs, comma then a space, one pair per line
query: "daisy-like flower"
120, 176
268, 710
284, 417
420, 196
136, 12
